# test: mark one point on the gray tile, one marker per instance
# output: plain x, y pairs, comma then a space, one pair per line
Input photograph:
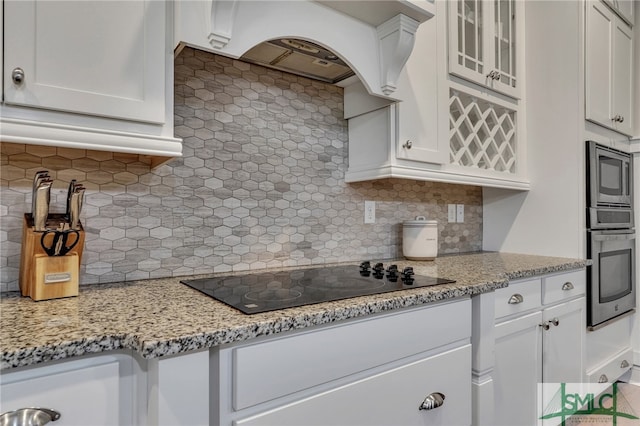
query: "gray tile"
261, 184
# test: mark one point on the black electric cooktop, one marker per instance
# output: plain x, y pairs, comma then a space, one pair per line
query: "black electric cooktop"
270, 291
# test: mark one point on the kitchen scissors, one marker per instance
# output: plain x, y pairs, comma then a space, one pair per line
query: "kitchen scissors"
59, 243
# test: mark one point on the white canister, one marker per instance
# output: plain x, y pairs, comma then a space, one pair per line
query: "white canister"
420, 239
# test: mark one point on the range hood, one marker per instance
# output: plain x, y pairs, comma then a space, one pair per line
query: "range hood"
300, 57
326, 40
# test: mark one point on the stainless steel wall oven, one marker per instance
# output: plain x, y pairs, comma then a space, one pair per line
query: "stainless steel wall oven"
611, 238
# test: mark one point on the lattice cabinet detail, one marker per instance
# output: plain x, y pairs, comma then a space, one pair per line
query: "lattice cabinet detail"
481, 134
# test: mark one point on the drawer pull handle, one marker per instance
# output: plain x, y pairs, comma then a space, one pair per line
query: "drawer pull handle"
555, 322
515, 299
567, 286
432, 401
29, 416
603, 379
545, 325
624, 363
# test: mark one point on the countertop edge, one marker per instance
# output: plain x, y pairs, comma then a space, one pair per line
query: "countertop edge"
326, 313
151, 349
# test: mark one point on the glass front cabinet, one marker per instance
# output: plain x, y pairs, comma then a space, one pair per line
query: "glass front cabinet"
484, 38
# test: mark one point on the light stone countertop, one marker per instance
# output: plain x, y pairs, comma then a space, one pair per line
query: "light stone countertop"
164, 317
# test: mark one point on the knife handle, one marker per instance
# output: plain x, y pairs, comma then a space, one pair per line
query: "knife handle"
70, 191
77, 199
41, 213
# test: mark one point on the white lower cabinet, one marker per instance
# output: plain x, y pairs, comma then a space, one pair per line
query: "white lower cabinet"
562, 343
376, 371
518, 369
542, 344
392, 397
87, 391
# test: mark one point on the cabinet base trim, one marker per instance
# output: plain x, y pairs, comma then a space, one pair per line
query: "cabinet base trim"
50, 134
435, 176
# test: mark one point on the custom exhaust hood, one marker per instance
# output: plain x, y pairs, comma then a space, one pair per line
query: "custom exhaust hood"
329, 41
300, 57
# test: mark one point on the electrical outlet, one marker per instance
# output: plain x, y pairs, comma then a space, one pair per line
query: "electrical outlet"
369, 212
460, 213
451, 213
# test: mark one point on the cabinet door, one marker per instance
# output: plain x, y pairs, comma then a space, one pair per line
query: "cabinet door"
503, 42
417, 114
83, 396
468, 31
416, 140
389, 398
517, 370
563, 342
608, 69
623, 77
483, 38
102, 58
599, 63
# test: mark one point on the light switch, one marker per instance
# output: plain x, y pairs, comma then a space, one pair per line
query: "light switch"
460, 213
369, 212
451, 213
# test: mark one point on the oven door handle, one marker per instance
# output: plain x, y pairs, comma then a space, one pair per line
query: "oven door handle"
613, 235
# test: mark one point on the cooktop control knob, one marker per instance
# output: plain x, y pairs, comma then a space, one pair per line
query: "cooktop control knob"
392, 273
365, 269
378, 271
407, 275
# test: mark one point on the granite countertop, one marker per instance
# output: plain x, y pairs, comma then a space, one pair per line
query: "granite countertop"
164, 317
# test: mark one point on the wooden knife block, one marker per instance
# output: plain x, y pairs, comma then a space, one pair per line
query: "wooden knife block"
45, 277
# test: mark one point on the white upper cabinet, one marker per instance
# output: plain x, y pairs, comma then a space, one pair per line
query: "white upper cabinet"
89, 57
484, 38
91, 75
443, 128
608, 69
624, 8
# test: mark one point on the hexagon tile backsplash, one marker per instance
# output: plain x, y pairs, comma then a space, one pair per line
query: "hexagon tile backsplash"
261, 184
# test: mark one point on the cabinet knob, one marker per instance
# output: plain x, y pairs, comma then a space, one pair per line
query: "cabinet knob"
621, 119
603, 379
555, 322
545, 325
624, 363
515, 299
407, 145
17, 75
568, 286
29, 416
432, 401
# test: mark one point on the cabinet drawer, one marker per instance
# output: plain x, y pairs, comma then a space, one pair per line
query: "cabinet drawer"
611, 370
520, 296
389, 398
561, 287
269, 370
88, 395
